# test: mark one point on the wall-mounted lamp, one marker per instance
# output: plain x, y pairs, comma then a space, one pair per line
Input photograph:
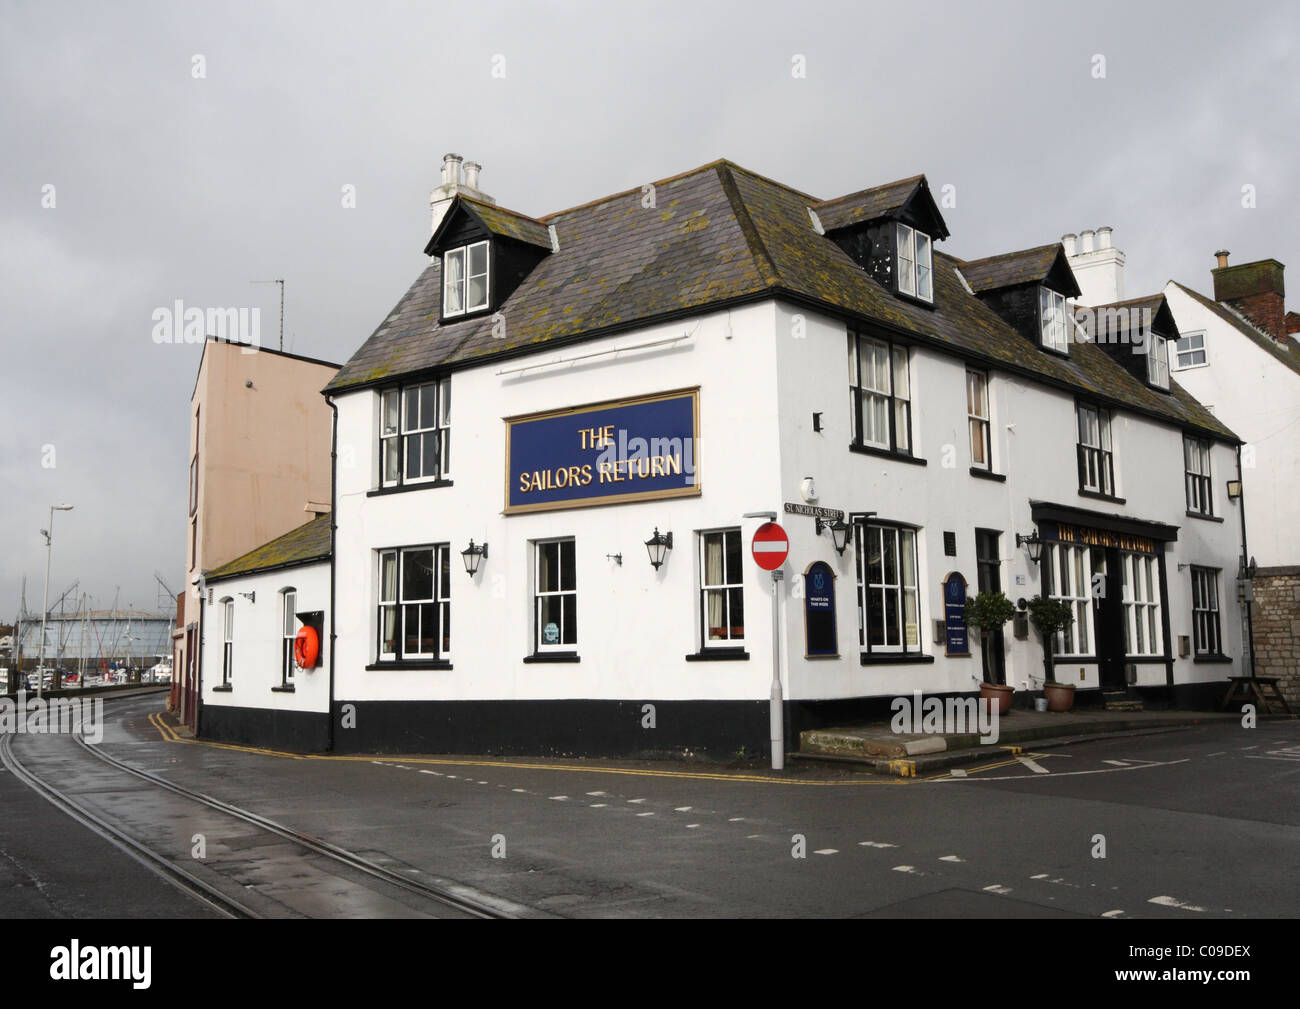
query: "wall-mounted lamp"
250, 596
1234, 490
1183, 565
473, 556
658, 546
839, 533
1033, 542
616, 558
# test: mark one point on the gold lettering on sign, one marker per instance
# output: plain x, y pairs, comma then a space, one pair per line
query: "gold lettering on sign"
1105, 538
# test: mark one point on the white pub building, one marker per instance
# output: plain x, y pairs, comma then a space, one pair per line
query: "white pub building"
551, 458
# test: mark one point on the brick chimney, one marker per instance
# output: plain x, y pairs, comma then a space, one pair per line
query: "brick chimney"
1098, 266
452, 184
1255, 290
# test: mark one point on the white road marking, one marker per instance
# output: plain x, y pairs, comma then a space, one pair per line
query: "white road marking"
827, 851
907, 868
1112, 914
683, 809
597, 793
997, 888
875, 844
1033, 765
645, 814
559, 798
1070, 774
734, 819
751, 837
951, 858
1247, 747
434, 773
599, 805
1217, 753
519, 790
636, 800
957, 772
451, 775
1041, 875
1117, 763
1174, 902
691, 826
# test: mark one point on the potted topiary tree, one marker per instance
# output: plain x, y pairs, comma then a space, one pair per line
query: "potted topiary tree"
988, 611
1049, 616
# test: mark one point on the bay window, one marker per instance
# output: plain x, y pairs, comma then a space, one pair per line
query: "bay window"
888, 601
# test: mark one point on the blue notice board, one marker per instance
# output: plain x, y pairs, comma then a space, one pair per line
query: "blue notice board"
956, 639
604, 453
820, 638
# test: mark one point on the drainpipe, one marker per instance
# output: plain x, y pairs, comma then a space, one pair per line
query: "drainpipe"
1245, 559
334, 526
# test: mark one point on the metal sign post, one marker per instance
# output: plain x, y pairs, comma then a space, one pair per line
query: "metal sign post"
777, 705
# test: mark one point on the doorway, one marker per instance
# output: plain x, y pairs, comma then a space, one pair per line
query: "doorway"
988, 578
1108, 619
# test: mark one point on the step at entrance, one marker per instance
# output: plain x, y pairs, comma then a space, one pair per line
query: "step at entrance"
1120, 700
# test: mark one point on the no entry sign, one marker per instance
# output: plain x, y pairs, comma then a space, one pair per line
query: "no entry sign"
771, 546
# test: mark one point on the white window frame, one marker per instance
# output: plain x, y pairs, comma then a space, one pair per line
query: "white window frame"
1053, 315
227, 640
1158, 361
440, 599
1198, 476
873, 594
1207, 627
395, 436
886, 389
1069, 573
1185, 346
568, 597
463, 255
727, 590
979, 424
1140, 580
915, 262
1096, 456
289, 631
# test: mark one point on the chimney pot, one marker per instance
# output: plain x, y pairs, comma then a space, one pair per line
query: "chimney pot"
1068, 242
472, 168
1222, 255
451, 169
1085, 240
1103, 237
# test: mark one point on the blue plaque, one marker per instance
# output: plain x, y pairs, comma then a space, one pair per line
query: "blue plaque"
956, 639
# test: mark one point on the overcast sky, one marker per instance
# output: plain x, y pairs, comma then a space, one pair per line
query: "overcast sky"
174, 184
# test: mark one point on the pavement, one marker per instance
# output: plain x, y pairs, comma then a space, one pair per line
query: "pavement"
876, 747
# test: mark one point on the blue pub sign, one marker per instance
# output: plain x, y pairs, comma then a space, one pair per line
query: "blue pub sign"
637, 449
956, 638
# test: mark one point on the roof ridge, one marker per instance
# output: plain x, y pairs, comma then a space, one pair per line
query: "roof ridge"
762, 260
499, 209
872, 189
547, 218
1013, 252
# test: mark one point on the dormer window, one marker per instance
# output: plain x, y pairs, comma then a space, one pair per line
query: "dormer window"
465, 280
1052, 312
914, 263
1158, 361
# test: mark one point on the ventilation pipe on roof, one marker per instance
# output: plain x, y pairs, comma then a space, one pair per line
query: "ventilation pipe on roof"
1222, 256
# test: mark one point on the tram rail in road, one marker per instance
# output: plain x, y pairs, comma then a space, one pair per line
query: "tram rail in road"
438, 898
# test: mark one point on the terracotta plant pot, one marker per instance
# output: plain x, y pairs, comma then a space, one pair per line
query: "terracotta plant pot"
998, 693
1060, 696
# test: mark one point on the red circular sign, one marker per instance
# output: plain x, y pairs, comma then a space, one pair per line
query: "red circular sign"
771, 546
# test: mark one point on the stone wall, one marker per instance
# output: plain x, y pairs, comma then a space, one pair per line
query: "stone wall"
1276, 620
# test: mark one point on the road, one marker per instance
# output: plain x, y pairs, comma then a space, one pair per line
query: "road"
1192, 824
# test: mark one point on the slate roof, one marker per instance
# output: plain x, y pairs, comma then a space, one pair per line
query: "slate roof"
867, 204
720, 234
1028, 266
307, 543
509, 223
1288, 358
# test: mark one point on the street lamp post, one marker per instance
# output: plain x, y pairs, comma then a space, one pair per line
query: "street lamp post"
45, 603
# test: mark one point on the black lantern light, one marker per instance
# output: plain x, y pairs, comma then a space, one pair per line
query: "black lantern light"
839, 533
658, 546
1033, 542
473, 556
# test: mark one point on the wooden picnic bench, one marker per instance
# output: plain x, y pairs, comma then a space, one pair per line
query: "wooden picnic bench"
1262, 689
